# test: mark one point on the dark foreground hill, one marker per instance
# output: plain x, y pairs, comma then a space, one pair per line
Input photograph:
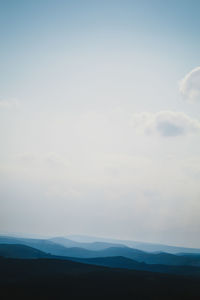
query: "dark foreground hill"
57, 279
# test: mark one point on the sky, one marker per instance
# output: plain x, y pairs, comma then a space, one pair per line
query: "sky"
100, 119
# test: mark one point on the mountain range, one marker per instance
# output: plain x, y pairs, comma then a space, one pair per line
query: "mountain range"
69, 248
62, 267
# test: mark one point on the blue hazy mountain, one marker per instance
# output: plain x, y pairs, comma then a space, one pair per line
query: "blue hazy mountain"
94, 243
40, 244
138, 255
126, 263
21, 251
144, 246
26, 252
86, 245
134, 254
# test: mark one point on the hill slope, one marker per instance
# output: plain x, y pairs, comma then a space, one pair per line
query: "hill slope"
57, 279
126, 263
26, 252
134, 254
89, 246
40, 244
144, 246
21, 251
53, 248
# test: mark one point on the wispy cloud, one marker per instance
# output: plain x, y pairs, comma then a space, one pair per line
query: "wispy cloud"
9, 103
48, 159
165, 123
190, 85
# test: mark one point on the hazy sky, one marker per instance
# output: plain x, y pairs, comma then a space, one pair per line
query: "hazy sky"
100, 118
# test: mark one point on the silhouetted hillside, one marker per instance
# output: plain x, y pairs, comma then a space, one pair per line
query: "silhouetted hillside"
57, 279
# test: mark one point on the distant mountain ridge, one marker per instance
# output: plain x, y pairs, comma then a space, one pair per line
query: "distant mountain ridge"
52, 248
86, 245
98, 243
40, 244
140, 256
144, 246
16, 251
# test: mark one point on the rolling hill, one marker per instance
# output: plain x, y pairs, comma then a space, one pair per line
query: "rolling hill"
21, 251
50, 279
53, 248
26, 252
89, 246
40, 244
126, 263
144, 246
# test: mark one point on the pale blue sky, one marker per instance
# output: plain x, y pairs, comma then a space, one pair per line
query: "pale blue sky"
99, 118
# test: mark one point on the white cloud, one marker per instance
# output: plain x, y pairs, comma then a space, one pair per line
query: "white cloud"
8, 103
50, 159
165, 123
190, 85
